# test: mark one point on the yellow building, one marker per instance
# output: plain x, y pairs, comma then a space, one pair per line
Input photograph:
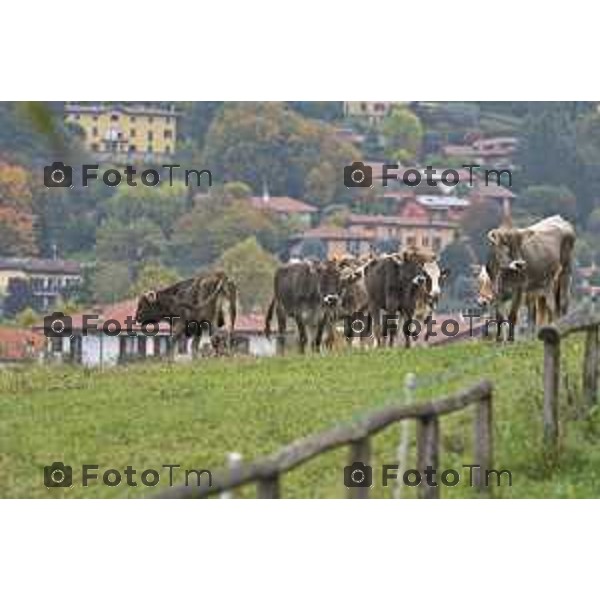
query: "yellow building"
126, 130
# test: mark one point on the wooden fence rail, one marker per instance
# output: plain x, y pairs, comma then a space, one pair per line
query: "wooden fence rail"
267, 472
584, 319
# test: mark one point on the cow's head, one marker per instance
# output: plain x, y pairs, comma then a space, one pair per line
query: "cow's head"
330, 282
148, 308
436, 276
485, 288
506, 245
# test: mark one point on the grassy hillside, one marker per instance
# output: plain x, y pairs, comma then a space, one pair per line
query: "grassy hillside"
154, 414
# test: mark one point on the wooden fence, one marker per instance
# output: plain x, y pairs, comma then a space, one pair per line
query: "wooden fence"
584, 319
267, 473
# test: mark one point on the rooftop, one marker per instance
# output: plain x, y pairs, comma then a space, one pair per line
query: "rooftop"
40, 265
441, 202
335, 233
282, 204
17, 343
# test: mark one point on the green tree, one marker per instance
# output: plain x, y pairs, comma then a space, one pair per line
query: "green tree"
153, 276
260, 142
162, 205
252, 268
403, 134
477, 220
547, 200
112, 281
132, 243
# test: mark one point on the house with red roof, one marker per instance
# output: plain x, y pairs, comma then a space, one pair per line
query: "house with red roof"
286, 208
108, 335
19, 344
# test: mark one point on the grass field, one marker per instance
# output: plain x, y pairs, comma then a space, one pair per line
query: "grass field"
148, 415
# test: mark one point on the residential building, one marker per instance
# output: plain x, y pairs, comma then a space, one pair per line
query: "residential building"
334, 242
406, 231
286, 208
19, 345
434, 208
99, 349
372, 111
49, 279
126, 131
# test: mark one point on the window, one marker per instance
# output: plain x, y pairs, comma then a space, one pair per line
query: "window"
150, 149
437, 243
95, 147
77, 117
132, 119
167, 149
363, 106
425, 241
411, 241
94, 131
95, 117
150, 120
168, 134
150, 136
114, 117
132, 148
132, 133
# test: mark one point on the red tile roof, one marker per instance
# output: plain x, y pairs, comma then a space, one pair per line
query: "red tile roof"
282, 204
122, 311
17, 343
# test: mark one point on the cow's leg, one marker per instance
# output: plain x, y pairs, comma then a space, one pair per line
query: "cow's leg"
376, 324
513, 315
302, 337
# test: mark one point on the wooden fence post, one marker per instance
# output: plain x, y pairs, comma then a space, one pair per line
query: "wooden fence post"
360, 451
551, 339
234, 461
590, 367
428, 443
484, 441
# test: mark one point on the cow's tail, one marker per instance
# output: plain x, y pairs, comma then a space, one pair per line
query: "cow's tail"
269, 317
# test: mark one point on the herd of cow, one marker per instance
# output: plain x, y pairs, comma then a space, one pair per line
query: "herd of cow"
530, 265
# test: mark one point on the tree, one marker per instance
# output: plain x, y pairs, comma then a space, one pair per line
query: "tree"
153, 276
17, 235
477, 220
27, 318
111, 282
457, 258
19, 296
131, 243
547, 200
252, 268
403, 134
321, 184
162, 205
203, 234
267, 142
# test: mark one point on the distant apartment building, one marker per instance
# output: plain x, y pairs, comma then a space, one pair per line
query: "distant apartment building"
327, 242
371, 111
498, 152
47, 279
419, 232
126, 130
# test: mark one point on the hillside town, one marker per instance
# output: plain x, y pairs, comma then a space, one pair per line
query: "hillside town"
279, 194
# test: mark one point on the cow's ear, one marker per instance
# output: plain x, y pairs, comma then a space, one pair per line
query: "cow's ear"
493, 236
525, 234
